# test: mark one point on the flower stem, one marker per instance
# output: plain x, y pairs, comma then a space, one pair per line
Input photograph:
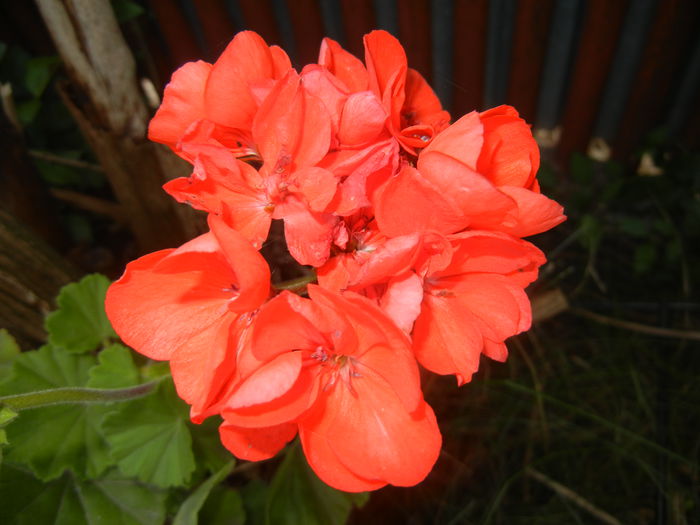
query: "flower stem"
79, 395
296, 285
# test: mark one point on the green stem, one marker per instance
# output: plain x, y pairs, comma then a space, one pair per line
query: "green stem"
297, 284
80, 395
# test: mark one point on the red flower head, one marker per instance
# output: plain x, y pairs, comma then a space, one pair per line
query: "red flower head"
478, 173
340, 369
179, 305
413, 226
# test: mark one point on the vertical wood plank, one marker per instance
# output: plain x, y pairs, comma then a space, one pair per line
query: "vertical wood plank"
308, 29
527, 55
599, 32
560, 44
176, 32
217, 26
414, 34
259, 17
501, 20
671, 35
469, 55
441, 13
624, 68
358, 17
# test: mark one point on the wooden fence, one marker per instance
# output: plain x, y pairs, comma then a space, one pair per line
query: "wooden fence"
592, 76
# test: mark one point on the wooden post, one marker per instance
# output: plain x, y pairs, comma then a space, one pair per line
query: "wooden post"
103, 96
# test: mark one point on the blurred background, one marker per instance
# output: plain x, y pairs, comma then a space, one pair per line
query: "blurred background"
595, 418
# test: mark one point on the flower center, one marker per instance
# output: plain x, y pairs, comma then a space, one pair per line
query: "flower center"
335, 368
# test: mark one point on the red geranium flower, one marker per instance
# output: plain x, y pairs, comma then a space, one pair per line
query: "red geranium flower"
344, 373
180, 305
478, 173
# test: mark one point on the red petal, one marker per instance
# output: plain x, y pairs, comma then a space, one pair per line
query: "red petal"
422, 104
284, 323
325, 463
256, 444
348, 68
536, 213
200, 368
493, 252
318, 186
462, 141
336, 273
446, 339
371, 432
429, 209
183, 103
501, 308
164, 299
308, 234
246, 60
386, 67
288, 407
251, 270
363, 119
479, 201
270, 381
391, 258
379, 343
510, 156
292, 126
402, 300
320, 83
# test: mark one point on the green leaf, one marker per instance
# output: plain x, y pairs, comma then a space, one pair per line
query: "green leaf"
27, 111
644, 258
73, 502
254, 495
120, 502
634, 226
9, 350
224, 506
6, 416
39, 73
54, 439
126, 10
298, 497
149, 438
206, 444
80, 323
116, 369
187, 515
591, 232
155, 370
47, 367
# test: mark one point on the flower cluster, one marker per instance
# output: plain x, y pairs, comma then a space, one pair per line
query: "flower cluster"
413, 227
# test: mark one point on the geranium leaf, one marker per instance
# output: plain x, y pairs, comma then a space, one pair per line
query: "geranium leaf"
80, 323
53, 439
150, 440
121, 502
224, 506
206, 444
189, 510
297, 497
9, 349
116, 369
73, 502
